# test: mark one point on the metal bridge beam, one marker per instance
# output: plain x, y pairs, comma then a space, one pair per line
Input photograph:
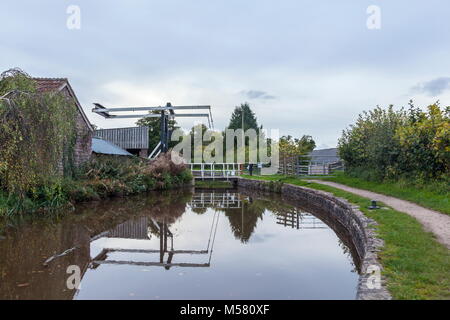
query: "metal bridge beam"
102, 109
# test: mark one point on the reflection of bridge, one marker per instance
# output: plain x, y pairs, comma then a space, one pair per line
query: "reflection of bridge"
216, 200
141, 229
300, 221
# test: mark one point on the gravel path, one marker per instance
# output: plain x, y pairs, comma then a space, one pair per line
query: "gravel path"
433, 221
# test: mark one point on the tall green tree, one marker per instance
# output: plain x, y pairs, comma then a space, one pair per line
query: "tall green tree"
250, 121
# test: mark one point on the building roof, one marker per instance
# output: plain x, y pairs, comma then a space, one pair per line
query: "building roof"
50, 84
127, 138
57, 85
106, 147
325, 155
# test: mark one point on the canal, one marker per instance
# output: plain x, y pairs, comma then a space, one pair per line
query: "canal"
184, 244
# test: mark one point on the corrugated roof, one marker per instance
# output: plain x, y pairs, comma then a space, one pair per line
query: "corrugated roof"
127, 138
106, 147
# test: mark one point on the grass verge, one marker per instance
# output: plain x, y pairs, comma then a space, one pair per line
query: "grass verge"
425, 195
416, 266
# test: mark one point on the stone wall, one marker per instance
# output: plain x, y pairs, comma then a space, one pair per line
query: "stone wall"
357, 225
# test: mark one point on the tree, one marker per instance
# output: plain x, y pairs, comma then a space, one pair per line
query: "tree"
154, 129
290, 146
250, 121
243, 112
389, 144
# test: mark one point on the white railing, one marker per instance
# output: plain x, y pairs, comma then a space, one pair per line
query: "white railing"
216, 170
155, 151
216, 200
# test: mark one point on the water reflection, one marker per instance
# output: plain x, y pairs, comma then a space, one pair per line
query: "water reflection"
142, 229
138, 248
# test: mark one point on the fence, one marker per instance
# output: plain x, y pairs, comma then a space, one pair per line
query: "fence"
216, 170
303, 165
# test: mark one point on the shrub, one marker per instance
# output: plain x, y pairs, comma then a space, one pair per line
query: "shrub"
388, 144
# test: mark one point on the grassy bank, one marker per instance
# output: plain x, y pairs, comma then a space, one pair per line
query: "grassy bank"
435, 196
415, 264
102, 177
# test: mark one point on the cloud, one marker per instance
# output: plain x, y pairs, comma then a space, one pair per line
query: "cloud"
318, 62
433, 87
257, 94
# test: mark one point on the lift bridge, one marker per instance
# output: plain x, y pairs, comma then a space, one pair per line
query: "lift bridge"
203, 171
165, 113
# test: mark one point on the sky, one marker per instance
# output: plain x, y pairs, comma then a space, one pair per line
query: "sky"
304, 66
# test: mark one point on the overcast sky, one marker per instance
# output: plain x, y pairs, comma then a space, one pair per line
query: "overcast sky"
305, 67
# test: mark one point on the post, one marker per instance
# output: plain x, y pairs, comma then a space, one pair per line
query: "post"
163, 131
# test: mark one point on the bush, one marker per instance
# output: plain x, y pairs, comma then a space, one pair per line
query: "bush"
103, 176
409, 144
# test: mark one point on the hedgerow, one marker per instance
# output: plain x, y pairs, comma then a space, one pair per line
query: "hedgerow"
403, 144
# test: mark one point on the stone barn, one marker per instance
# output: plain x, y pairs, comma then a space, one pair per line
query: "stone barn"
84, 129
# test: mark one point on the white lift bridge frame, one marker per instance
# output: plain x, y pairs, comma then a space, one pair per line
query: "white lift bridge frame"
165, 113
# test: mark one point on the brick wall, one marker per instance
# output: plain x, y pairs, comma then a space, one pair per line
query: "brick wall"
83, 143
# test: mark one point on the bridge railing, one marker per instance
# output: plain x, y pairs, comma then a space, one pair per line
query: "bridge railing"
216, 170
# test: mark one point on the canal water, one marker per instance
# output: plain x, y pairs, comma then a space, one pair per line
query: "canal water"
207, 244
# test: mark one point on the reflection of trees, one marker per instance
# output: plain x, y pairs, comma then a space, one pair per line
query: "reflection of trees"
280, 204
278, 207
347, 252
243, 221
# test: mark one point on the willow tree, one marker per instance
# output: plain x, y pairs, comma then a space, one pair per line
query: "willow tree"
36, 129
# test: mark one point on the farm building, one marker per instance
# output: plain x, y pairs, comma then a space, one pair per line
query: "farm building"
317, 162
325, 156
324, 161
134, 139
84, 130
